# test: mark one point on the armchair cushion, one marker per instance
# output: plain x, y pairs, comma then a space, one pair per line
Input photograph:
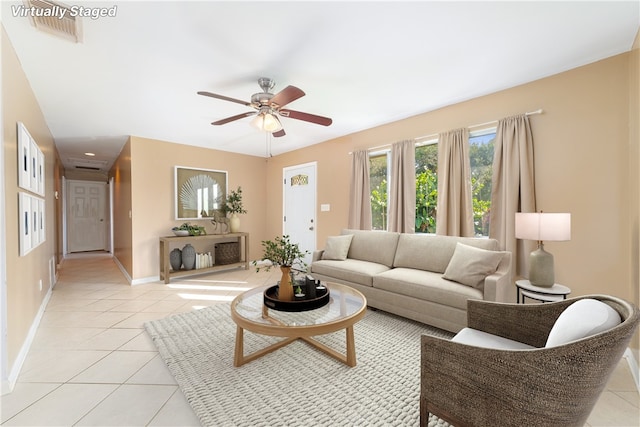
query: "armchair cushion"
582, 319
477, 338
337, 247
470, 265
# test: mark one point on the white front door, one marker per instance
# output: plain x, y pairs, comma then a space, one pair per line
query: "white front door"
86, 216
299, 196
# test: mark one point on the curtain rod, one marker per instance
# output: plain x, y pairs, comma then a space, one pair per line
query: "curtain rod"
434, 135
530, 113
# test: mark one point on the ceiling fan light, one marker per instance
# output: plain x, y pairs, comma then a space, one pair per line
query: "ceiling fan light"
271, 123
258, 122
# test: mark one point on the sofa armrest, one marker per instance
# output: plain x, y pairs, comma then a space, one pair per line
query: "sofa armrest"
317, 255
497, 285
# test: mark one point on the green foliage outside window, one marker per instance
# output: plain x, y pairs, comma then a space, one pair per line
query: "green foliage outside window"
481, 160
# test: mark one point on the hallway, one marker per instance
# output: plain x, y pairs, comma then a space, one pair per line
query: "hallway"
91, 362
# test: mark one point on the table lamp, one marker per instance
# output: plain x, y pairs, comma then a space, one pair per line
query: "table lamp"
542, 227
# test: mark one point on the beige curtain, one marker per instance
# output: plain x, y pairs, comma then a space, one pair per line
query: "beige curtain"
360, 192
402, 188
455, 208
513, 187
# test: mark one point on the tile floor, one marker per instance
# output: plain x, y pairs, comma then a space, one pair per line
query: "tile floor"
91, 362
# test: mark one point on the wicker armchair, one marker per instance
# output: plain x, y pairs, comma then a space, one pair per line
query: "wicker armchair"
557, 386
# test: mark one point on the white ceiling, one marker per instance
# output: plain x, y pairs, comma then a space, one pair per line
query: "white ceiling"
361, 63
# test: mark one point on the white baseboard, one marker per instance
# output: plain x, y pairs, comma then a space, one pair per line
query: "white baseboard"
145, 280
10, 382
633, 367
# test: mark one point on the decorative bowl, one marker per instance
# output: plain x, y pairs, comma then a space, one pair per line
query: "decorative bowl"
181, 233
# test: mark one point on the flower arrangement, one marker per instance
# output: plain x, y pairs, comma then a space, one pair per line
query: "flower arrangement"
233, 202
281, 252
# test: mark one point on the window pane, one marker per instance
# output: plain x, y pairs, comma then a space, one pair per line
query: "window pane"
426, 188
481, 160
378, 180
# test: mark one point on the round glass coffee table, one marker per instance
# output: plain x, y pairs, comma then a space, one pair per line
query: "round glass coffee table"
346, 306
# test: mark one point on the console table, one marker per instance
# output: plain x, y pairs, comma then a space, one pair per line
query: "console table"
205, 243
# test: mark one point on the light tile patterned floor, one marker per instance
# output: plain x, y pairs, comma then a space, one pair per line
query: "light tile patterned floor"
91, 363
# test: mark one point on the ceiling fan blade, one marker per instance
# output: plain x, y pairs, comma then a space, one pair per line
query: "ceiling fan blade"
319, 120
279, 133
233, 118
224, 98
286, 95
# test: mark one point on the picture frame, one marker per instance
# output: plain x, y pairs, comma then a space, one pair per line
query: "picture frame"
25, 223
199, 193
40, 173
24, 157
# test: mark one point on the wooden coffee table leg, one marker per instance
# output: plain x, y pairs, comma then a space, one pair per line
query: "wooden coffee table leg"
238, 356
351, 347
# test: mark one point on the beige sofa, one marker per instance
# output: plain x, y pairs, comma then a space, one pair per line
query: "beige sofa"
421, 277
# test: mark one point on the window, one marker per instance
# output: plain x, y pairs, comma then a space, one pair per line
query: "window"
481, 160
378, 176
426, 187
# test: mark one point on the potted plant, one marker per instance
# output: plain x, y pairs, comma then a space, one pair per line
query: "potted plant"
281, 252
192, 230
233, 205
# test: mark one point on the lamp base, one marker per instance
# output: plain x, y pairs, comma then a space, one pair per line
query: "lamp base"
541, 271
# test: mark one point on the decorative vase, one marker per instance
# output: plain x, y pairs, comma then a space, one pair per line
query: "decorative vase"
175, 259
285, 290
188, 257
234, 223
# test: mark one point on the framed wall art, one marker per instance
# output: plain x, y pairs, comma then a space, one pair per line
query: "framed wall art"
24, 158
30, 162
198, 193
25, 223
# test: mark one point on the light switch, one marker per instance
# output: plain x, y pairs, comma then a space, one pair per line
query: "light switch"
325, 208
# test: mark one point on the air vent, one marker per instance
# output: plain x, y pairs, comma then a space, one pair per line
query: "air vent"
87, 163
87, 168
55, 18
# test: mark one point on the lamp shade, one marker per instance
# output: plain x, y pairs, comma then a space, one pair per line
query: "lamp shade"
266, 121
543, 226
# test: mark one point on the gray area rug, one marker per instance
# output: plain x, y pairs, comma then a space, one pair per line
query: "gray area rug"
296, 385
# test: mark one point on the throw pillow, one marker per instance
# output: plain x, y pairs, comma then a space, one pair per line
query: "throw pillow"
470, 265
581, 319
337, 247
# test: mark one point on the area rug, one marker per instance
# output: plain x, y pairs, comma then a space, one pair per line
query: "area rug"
296, 385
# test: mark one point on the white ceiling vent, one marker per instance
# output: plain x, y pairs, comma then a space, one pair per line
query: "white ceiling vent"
55, 18
87, 163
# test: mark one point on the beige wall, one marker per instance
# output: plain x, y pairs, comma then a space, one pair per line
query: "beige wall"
147, 168
24, 297
584, 165
634, 169
122, 228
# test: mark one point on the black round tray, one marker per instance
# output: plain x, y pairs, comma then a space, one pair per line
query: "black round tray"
271, 300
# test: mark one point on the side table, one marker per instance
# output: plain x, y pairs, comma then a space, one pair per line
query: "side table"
556, 292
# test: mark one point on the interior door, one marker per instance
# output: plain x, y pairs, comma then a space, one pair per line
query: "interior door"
86, 216
299, 196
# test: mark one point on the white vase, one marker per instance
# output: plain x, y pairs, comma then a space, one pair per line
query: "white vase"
234, 223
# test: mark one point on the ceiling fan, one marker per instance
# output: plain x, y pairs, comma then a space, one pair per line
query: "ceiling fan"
269, 106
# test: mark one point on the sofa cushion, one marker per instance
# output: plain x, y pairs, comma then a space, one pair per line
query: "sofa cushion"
337, 247
433, 253
478, 338
426, 285
581, 319
470, 265
350, 270
373, 246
